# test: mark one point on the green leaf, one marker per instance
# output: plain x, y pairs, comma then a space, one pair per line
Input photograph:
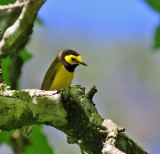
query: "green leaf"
11, 67
5, 2
5, 70
15, 70
38, 142
157, 38
155, 4
39, 21
25, 55
5, 137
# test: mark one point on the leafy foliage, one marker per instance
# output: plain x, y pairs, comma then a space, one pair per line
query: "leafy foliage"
39, 21
157, 38
155, 4
11, 67
5, 137
5, 2
25, 55
5, 70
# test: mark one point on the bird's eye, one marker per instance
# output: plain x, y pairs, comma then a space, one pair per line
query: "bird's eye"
73, 59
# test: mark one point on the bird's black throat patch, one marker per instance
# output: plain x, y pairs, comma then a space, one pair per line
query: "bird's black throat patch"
70, 68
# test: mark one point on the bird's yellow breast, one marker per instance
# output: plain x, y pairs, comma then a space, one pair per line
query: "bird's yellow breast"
62, 79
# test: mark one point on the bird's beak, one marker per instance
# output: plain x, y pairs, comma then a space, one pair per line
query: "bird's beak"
83, 63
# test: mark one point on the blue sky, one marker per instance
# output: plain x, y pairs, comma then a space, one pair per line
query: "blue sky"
99, 18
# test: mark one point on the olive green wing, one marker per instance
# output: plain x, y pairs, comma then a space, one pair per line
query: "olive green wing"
50, 74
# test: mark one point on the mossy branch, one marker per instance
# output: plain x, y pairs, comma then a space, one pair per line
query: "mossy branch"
69, 110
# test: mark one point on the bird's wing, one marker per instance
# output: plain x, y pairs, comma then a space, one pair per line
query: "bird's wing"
50, 74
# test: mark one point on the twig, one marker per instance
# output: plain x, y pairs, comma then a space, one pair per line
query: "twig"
11, 6
19, 141
80, 146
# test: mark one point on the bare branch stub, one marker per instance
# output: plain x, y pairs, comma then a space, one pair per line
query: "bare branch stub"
111, 134
80, 146
91, 92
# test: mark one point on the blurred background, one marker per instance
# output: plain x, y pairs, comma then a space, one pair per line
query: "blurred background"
116, 39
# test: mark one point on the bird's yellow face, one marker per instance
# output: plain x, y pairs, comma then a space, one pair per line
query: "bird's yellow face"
72, 59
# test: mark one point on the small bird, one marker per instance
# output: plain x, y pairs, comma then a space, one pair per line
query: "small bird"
60, 74
61, 71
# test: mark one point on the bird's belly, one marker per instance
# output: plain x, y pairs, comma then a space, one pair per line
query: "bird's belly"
62, 79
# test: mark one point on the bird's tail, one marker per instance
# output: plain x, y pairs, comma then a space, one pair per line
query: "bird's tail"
28, 130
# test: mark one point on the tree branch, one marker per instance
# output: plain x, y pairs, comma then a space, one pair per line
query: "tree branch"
18, 34
69, 110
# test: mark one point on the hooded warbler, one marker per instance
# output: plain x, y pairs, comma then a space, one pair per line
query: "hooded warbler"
61, 71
